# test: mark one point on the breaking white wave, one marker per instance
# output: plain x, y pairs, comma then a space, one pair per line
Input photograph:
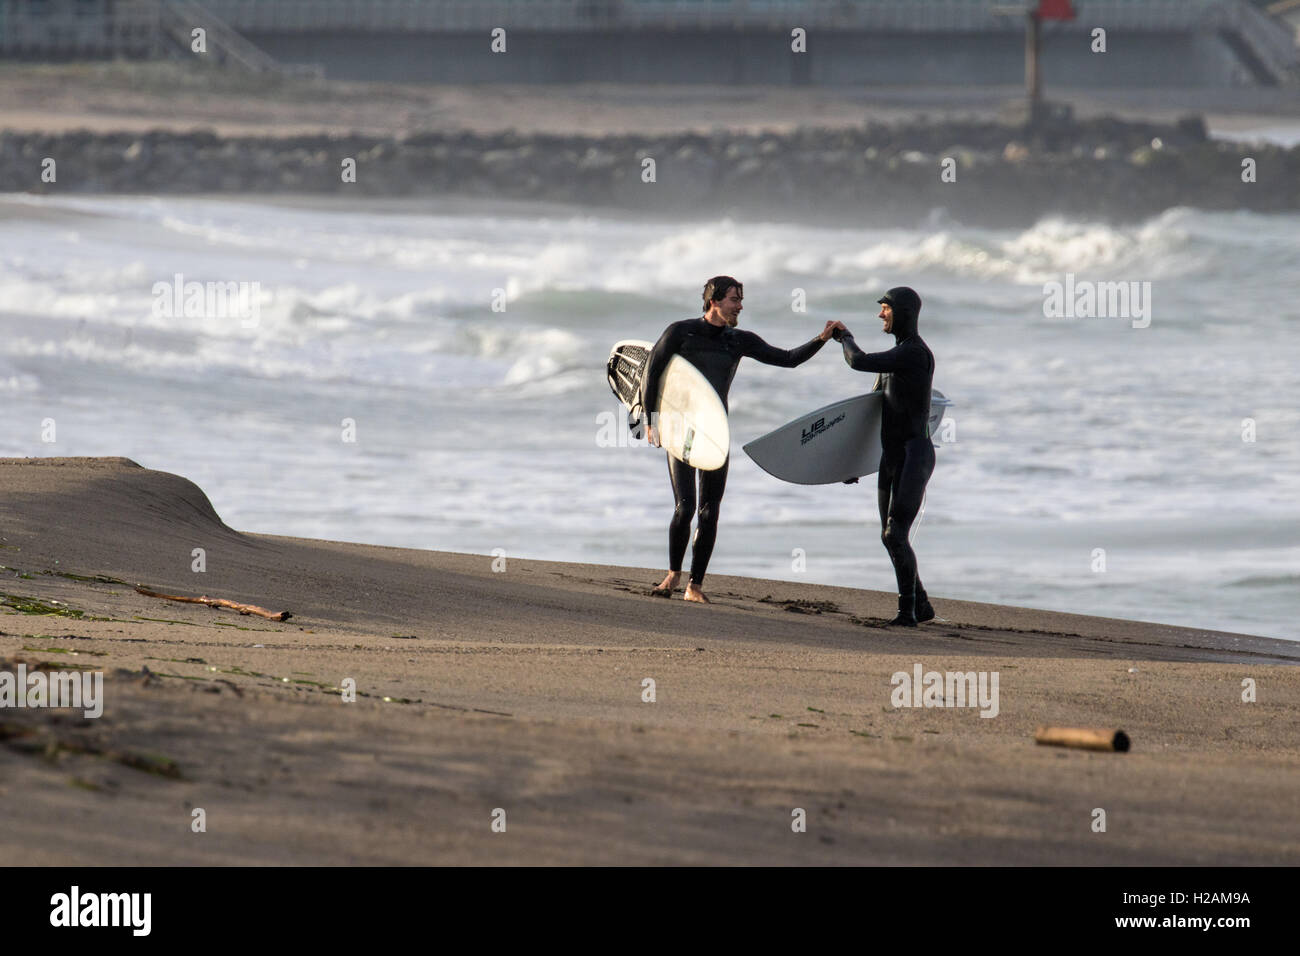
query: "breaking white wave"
469, 352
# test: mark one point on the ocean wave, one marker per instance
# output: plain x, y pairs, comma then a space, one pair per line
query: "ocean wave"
444, 353
1178, 243
1266, 581
410, 267
18, 384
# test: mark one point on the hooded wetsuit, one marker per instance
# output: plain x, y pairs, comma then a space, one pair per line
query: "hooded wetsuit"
907, 455
715, 350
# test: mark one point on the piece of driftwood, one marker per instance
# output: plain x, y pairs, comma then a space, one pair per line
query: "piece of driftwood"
218, 602
1085, 738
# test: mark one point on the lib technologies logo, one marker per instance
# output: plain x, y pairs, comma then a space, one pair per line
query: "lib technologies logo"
819, 427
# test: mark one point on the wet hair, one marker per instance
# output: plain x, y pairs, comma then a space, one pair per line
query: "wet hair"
716, 289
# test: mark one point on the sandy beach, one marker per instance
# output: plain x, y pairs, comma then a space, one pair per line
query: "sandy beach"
520, 689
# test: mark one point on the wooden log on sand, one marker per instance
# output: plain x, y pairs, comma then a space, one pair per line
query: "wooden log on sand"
218, 602
1084, 738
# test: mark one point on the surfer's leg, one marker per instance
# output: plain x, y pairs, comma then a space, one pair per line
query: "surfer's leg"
924, 609
907, 492
887, 487
884, 489
682, 477
712, 485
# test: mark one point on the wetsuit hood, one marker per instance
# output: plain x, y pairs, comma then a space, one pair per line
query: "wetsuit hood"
907, 308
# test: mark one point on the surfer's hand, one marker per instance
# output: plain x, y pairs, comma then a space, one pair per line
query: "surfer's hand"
833, 330
651, 436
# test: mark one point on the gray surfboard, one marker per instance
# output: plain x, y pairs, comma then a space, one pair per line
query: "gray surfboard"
837, 442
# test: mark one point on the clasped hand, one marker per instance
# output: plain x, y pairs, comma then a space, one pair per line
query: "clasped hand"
833, 330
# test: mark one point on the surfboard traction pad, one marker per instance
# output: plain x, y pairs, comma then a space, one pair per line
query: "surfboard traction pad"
624, 374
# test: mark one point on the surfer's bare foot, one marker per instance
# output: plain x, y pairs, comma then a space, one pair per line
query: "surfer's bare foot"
695, 594
668, 585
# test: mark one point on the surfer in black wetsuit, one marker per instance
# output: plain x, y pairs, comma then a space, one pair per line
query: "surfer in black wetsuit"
907, 456
715, 346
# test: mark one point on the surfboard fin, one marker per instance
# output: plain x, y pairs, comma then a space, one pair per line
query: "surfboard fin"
636, 421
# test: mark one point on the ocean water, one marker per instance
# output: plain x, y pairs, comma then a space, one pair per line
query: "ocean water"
1092, 466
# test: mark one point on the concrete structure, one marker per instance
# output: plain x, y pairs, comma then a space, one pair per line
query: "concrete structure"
133, 29
1288, 11
88, 29
1196, 43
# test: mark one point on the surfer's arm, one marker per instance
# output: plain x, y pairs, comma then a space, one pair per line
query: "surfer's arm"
892, 361
668, 345
756, 348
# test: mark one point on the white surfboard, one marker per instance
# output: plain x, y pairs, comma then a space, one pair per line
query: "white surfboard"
837, 442
691, 419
